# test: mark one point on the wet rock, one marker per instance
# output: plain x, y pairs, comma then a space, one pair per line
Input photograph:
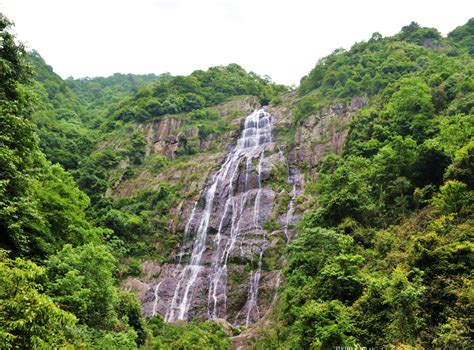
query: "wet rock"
236, 259
161, 137
229, 280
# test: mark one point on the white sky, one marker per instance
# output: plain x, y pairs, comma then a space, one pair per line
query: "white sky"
282, 39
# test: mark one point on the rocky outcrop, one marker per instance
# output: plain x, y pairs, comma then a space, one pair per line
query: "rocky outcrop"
324, 132
321, 132
162, 136
228, 265
140, 286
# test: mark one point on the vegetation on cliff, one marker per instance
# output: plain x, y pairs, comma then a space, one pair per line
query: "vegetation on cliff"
59, 262
383, 255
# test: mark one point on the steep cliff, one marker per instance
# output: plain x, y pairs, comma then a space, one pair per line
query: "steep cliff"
335, 214
252, 213
245, 232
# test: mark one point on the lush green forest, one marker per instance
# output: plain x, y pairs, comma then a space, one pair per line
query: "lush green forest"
60, 251
383, 254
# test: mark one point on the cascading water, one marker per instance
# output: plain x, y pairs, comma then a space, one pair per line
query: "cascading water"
186, 234
252, 305
156, 299
230, 203
181, 298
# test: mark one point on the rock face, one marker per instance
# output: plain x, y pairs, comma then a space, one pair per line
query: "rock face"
324, 132
161, 137
321, 132
235, 223
225, 267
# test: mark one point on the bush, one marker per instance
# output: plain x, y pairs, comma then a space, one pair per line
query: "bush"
452, 197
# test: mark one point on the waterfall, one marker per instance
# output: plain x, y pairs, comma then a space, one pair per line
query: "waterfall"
186, 234
293, 179
155, 300
181, 298
277, 286
252, 305
254, 139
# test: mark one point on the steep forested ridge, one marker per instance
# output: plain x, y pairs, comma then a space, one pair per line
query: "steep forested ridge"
58, 268
383, 256
98, 177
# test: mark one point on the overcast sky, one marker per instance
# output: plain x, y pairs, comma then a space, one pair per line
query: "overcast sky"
283, 39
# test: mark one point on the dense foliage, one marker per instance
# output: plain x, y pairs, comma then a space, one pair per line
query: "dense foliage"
192, 335
142, 220
384, 256
199, 90
463, 36
58, 266
59, 116
99, 92
372, 66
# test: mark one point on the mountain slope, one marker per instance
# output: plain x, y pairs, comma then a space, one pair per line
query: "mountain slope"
349, 202
384, 251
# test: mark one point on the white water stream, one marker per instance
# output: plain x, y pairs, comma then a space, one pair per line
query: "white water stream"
255, 138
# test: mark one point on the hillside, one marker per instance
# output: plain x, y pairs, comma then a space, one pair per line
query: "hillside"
384, 250
221, 210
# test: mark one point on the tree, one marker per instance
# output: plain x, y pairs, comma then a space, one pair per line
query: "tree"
130, 311
452, 197
345, 192
324, 326
411, 108
80, 281
192, 335
19, 217
340, 279
63, 206
463, 36
402, 296
454, 132
29, 319
462, 168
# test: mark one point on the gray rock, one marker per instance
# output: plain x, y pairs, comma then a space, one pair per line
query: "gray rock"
235, 279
